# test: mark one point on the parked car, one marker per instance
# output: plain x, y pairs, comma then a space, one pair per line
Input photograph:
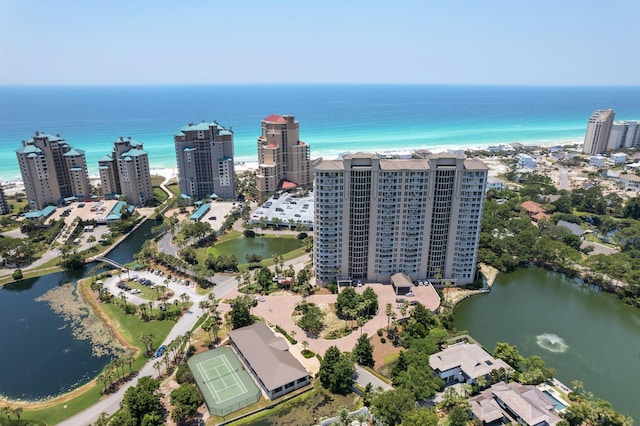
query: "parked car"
160, 351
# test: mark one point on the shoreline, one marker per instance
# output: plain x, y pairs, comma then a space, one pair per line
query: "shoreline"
241, 164
85, 294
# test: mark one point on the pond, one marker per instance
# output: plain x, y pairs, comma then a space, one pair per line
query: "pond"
265, 247
583, 333
44, 354
41, 357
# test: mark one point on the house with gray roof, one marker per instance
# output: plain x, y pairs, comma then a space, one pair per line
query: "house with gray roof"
573, 227
268, 358
515, 403
464, 363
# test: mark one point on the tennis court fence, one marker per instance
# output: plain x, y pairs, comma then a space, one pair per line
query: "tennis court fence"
224, 409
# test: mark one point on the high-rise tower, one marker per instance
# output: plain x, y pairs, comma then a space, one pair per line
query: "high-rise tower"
598, 130
126, 172
284, 160
376, 217
204, 153
52, 170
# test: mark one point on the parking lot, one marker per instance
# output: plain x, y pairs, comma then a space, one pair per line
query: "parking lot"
288, 209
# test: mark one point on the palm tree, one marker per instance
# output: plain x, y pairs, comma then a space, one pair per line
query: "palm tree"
18, 412
157, 366
388, 312
147, 340
123, 296
150, 307
404, 308
129, 360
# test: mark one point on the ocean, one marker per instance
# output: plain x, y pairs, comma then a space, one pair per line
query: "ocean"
333, 118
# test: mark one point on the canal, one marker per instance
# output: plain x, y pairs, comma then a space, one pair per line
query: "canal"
43, 354
583, 333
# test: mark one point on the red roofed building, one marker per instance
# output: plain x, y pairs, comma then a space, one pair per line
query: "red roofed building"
284, 160
535, 211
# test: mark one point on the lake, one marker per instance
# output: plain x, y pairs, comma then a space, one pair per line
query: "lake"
583, 333
42, 356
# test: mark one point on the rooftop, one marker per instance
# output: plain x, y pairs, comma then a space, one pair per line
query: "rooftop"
470, 358
268, 355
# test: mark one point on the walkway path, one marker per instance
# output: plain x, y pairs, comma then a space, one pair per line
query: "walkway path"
111, 403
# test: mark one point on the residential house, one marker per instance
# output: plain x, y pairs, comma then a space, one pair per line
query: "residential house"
464, 363
619, 158
535, 211
597, 161
514, 403
574, 228
526, 161
630, 181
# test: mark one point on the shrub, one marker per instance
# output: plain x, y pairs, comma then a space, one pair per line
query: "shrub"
380, 332
307, 353
184, 375
17, 275
249, 233
383, 340
302, 235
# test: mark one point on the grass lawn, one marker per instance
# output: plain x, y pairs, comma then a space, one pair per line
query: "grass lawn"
307, 408
175, 188
130, 327
146, 292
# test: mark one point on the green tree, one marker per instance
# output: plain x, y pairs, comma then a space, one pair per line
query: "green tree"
420, 417
241, 312
390, 406
17, 275
143, 401
312, 320
185, 400
508, 354
336, 371
363, 351
458, 416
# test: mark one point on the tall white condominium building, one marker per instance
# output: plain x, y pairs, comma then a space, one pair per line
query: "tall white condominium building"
52, 170
4, 206
624, 134
204, 153
598, 129
375, 217
284, 160
125, 172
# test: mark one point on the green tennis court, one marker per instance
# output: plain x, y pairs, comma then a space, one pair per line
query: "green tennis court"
224, 384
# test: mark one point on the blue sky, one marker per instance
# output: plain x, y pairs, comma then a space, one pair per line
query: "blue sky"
543, 42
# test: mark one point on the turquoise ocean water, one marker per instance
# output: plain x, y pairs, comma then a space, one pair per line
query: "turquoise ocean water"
333, 118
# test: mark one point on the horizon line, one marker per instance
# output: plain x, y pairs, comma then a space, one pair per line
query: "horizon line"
150, 85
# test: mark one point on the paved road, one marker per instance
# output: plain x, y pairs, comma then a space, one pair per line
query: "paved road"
111, 403
363, 377
564, 179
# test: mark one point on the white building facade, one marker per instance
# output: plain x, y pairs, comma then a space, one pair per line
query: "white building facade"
375, 217
596, 138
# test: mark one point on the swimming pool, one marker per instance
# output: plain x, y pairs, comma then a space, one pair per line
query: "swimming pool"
559, 405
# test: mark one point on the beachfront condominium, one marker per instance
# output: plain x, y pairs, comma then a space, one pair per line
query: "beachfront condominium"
52, 171
4, 206
624, 135
596, 138
376, 217
125, 172
283, 159
204, 153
